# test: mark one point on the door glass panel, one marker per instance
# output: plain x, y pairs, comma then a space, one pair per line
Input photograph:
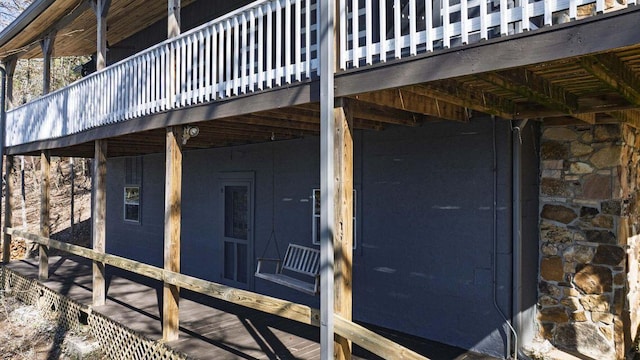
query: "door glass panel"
229, 260
236, 212
242, 263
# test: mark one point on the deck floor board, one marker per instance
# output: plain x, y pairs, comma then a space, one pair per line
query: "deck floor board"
209, 328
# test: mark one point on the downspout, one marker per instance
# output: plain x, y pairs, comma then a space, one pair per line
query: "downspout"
495, 250
516, 171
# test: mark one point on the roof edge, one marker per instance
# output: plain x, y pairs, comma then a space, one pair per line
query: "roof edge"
23, 20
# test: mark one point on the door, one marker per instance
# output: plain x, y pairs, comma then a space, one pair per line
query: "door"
237, 231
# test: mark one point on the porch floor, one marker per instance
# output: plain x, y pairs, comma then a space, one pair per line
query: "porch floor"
209, 328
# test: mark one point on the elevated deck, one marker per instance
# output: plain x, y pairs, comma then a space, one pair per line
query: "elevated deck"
209, 328
255, 71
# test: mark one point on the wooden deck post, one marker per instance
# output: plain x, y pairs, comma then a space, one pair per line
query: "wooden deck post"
10, 66
327, 181
46, 45
45, 165
172, 200
173, 19
99, 176
173, 197
6, 238
98, 219
343, 237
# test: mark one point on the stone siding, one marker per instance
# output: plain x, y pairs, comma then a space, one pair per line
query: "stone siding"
589, 248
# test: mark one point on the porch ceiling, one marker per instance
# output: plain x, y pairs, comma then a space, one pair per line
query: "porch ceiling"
75, 24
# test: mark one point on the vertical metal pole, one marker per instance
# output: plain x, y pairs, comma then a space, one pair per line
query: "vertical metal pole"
6, 256
327, 184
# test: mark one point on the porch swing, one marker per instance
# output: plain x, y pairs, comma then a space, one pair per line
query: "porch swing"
299, 262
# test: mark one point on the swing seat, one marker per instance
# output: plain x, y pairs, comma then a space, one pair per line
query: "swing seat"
297, 260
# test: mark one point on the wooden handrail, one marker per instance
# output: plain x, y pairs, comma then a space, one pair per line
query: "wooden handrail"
360, 335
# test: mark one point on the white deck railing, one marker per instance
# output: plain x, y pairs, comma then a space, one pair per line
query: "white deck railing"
263, 45
270, 44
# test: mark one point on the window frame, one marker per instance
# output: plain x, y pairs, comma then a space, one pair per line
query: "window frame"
131, 203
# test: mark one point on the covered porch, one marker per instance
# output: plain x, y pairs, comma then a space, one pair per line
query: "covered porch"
209, 328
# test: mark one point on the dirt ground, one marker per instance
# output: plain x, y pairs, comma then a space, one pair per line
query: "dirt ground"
24, 332
25, 201
28, 335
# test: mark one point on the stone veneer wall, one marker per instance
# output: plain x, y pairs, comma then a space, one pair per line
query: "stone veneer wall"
589, 238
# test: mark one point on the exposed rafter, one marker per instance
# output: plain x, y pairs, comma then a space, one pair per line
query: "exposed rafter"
525, 83
609, 69
452, 92
412, 102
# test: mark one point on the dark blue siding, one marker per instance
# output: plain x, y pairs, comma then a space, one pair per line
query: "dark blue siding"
424, 259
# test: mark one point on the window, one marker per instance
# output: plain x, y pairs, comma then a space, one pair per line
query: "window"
316, 217
132, 203
132, 189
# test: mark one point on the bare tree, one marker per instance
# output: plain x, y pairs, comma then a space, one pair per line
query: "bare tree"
10, 9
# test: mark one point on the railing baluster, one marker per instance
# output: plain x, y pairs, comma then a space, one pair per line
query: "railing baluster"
428, 24
412, 28
236, 55
464, 23
397, 31
368, 15
298, 41
252, 50
207, 91
548, 15
228, 79
213, 94
243, 50
278, 52
287, 42
446, 30
189, 63
221, 61
307, 39
260, 69
382, 6
355, 29
270, 34
201, 67
504, 23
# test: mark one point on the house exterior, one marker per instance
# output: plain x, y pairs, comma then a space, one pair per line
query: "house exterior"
482, 156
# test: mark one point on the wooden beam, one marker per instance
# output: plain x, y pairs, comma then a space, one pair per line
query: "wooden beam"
409, 101
609, 69
98, 218
343, 237
45, 205
630, 117
172, 216
365, 338
8, 206
283, 308
373, 342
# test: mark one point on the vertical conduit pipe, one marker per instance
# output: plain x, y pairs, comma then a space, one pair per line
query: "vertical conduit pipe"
494, 263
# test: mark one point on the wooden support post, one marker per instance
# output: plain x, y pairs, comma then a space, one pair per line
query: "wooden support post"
45, 165
172, 215
46, 45
6, 238
10, 66
98, 218
173, 18
343, 205
101, 9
